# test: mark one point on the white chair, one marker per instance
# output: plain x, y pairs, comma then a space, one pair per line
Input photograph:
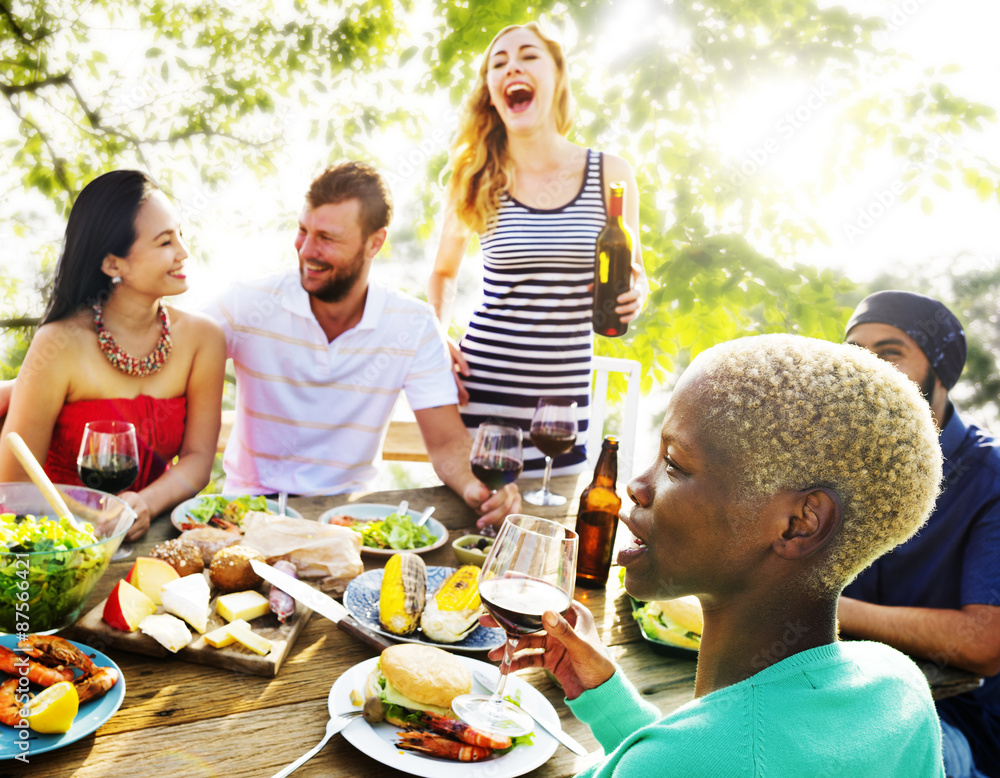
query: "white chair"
598, 409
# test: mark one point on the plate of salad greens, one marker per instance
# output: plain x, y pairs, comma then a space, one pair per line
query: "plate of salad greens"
384, 531
222, 511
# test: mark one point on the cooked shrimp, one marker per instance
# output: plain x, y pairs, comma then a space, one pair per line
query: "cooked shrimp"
442, 747
96, 684
12, 664
56, 652
463, 732
10, 703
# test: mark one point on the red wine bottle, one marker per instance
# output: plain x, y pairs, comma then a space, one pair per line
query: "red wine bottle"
597, 519
612, 267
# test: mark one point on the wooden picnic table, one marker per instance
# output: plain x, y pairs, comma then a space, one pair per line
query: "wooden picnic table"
193, 721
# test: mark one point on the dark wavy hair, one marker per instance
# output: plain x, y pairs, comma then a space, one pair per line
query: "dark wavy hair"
101, 222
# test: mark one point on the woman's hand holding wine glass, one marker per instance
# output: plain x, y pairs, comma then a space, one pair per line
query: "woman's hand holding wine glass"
109, 461
571, 650
531, 569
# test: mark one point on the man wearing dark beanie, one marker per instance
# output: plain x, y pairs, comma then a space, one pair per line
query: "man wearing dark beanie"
937, 596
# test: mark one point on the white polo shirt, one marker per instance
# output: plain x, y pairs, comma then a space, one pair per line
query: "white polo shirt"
310, 415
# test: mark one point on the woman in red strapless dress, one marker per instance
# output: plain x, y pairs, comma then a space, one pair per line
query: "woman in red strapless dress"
123, 251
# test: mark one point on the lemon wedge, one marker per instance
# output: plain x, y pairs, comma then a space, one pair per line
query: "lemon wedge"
53, 710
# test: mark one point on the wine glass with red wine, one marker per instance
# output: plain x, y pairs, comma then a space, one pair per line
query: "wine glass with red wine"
553, 432
496, 456
109, 461
531, 569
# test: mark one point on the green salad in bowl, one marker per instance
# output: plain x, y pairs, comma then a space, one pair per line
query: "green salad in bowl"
48, 568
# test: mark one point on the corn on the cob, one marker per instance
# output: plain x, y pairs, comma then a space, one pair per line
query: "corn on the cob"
401, 599
454, 610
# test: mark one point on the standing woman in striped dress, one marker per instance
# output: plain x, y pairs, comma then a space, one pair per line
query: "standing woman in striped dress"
537, 202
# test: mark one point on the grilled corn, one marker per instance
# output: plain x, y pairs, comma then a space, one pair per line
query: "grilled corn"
454, 610
401, 599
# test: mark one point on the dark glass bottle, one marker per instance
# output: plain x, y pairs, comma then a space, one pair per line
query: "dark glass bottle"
597, 519
612, 267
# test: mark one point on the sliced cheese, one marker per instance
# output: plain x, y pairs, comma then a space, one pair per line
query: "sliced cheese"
166, 630
249, 638
188, 598
222, 637
242, 605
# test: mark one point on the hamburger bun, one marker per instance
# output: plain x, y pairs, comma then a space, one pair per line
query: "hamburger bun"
685, 613
670, 621
425, 674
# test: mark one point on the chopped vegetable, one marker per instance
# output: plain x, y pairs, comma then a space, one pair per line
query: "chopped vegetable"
47, 572
217, 509
396, 531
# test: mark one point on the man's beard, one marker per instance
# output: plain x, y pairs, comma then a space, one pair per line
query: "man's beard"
337, 288
927, 386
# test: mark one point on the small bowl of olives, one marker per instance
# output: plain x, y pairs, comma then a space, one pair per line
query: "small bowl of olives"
472, 549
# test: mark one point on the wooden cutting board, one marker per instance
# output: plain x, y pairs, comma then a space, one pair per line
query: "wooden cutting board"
92, 630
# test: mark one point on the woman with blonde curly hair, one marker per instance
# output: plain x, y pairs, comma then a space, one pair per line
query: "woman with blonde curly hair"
537, 202
786, 465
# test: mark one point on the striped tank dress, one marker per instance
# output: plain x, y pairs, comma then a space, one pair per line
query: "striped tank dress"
531, 336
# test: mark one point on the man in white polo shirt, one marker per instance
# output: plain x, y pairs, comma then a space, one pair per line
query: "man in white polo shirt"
321, 354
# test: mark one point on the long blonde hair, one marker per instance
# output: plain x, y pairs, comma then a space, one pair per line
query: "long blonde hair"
481, 168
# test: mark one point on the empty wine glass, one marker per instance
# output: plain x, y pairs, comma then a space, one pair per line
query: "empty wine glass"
530, 569
109, 461
553, 432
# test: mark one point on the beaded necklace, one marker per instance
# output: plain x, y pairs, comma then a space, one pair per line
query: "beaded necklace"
121, 359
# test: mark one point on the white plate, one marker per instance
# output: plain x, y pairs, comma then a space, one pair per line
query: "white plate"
369, 511
379, 740
361, 599
92, 714
179, 515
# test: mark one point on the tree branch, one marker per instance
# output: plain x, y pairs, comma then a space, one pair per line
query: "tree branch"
58, 163
12, 89
14, 25
20, 321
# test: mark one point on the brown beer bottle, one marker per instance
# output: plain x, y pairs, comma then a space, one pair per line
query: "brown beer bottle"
612, 267
597, 519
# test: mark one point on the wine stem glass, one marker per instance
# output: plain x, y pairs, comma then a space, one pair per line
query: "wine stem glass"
530, 570
109, 461
496, 457
553, 432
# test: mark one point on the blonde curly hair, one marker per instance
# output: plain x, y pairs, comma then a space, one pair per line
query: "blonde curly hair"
481, 168
791, 413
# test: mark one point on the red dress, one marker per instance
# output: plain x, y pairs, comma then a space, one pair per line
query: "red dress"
159, 431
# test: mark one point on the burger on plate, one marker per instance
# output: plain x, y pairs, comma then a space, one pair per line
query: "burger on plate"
675, 622
410, 678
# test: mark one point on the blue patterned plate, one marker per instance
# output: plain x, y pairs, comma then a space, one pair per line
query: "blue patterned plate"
361, 599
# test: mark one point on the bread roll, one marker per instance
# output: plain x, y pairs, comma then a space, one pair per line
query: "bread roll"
425, 674
231, 571
182, 555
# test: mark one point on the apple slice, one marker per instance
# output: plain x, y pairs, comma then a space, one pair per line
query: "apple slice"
148, 576
126, 607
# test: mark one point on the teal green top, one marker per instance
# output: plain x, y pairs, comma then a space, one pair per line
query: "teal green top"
845, 709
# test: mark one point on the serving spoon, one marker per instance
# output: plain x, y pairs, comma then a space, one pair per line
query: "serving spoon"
35, 472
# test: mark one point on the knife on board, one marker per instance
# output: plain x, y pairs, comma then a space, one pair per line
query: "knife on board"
323, 604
